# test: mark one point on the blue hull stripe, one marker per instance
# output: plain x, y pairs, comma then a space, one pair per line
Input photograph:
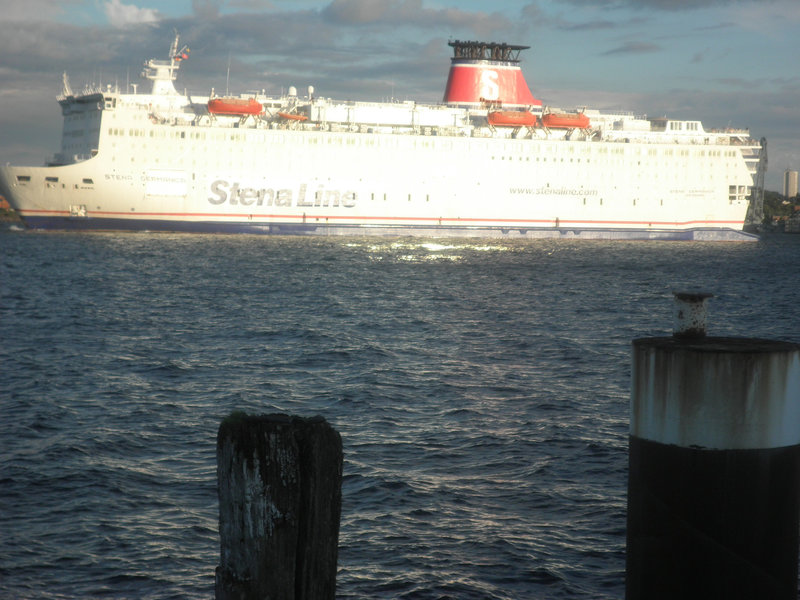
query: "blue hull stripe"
104, 224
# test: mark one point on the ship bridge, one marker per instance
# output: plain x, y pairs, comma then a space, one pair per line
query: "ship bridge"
672, 126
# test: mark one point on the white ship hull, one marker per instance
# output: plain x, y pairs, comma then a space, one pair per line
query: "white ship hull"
161, 163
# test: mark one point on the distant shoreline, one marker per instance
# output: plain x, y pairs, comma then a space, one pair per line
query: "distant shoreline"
9, 215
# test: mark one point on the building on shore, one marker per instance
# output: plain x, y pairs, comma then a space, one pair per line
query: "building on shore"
790, 183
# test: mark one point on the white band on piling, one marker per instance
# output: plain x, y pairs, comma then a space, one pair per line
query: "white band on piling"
716, 393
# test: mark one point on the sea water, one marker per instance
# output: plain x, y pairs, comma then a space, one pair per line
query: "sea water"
481, 389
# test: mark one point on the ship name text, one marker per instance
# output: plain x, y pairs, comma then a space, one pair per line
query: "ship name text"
236, 194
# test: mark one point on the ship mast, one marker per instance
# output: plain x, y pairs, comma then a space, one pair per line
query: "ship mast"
163, 72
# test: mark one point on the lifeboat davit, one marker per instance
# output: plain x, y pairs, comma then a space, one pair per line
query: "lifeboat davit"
234, 106
565, 121
292, 116
511, 118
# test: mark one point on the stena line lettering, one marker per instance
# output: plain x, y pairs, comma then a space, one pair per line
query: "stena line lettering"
237, 195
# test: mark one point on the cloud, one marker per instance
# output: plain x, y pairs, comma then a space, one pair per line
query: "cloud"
633, 48
676, 5
35, 10
119, 15
398, 13
358, 12
206, 9
757, 10
591, 26
251, 5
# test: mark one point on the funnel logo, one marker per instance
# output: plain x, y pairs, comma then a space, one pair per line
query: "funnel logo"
490, 89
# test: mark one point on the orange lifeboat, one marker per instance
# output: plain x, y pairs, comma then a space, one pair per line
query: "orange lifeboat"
511, 118
234, 106
565, 120
292, 116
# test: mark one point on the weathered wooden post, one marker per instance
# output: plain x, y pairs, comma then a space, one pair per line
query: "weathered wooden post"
714, 473
279, 480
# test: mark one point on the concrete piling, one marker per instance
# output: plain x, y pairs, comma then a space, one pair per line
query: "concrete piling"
279, 481
714, 471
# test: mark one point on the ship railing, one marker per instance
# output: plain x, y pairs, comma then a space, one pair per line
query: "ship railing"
731, 130
86, 91
611, 136
60, 159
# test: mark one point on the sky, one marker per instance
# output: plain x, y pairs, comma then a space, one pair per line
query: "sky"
725, 62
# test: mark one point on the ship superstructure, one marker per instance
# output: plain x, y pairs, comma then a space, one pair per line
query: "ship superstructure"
490, 160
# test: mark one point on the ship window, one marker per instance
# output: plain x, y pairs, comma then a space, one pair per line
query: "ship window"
51, 179
23, 178
87, 180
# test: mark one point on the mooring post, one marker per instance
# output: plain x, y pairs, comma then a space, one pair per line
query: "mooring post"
714, 465
280, 482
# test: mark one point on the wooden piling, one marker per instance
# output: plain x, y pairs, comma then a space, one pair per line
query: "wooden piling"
279, 480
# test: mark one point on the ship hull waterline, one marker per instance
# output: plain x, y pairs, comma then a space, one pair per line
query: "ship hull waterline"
246, 226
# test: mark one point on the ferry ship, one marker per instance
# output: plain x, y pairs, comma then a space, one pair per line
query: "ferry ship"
490, 160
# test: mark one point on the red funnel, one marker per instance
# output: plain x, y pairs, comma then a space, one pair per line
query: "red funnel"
487, 73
